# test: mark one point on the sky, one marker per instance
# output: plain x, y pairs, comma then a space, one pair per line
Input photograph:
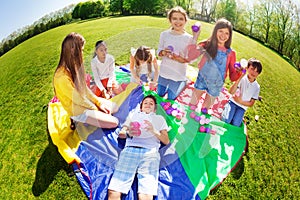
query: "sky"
16, 14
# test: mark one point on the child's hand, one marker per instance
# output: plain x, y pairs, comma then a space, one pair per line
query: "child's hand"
105, 108
178, 58
167, 52
237, 99
122, 133
109, 91
148, 125
105, 94
152, 85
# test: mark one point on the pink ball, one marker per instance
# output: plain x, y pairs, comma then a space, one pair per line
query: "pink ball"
178, 116
192, 115
202, 129
138, 132
135, 125
193, 107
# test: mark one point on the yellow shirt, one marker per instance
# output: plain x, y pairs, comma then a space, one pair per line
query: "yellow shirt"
72, 101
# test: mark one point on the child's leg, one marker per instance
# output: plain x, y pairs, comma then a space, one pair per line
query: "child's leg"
117, 89
238, 117
162, 86
208, 101
145, 197
175, 87
114, 195
196, 96
101, 119
229, 111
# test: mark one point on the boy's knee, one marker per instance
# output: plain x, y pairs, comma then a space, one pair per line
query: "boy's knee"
113, 195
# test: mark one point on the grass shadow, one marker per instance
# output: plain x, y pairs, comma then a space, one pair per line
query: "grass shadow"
239, 170
48, 166
236, 173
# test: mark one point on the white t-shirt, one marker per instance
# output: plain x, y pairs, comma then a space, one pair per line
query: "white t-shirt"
248, 91
171, 69
146, 139
103, 70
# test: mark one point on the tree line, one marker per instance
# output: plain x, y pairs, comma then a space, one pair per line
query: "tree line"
274, 23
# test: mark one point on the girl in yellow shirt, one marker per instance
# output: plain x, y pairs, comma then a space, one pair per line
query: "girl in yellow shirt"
70, 87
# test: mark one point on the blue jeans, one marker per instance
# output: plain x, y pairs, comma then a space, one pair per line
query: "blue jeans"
173, 88
233, 114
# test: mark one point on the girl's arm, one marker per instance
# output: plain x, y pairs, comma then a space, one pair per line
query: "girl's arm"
234, 87
244, 103
97, 76
162, 136
234, 74
155, 65
112, 75
132, 69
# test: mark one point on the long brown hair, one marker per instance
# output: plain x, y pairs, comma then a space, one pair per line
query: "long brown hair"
143, 53
212, 43
71, 59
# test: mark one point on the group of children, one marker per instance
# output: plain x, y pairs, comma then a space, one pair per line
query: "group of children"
176, 49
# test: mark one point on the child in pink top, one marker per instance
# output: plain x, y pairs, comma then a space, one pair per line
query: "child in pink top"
217, 59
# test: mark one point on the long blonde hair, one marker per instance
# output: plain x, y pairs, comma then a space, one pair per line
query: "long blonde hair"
71, 59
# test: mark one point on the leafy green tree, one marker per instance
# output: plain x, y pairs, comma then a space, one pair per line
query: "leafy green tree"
227, 9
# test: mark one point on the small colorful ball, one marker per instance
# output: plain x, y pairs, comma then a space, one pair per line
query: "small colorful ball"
197, 118
202, 129
192, 115
171, 48
178, 116
166, 107
204, 110
207, 121
135, 124
207, 130
184, 120
202, 121
193, 107
169, 111
174, 113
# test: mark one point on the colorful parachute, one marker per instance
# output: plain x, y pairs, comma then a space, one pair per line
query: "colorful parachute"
192, 165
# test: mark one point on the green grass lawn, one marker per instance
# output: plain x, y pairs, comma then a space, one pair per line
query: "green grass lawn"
31, 167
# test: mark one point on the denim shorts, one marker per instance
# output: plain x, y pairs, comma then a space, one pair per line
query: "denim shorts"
210, 79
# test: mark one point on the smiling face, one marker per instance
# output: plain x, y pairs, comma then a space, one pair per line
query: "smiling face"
223, 35
148, 105
178, 21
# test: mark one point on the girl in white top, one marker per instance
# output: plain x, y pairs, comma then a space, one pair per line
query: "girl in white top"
143, 66
173, 50
103, 68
